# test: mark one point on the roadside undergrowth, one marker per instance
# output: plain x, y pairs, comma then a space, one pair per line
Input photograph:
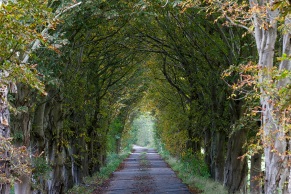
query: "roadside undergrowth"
98, 179
192, 173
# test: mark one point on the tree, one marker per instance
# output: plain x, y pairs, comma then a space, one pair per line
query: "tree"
20, 21
192, 53
264, 19
81, 89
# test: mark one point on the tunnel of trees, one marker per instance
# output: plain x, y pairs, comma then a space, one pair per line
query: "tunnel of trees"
83, 79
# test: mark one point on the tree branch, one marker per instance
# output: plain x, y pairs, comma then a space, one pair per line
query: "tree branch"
36, 43
164, 71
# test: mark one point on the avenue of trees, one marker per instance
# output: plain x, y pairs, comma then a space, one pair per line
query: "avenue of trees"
213, 77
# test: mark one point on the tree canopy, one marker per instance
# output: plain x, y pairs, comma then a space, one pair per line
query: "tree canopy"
83, 79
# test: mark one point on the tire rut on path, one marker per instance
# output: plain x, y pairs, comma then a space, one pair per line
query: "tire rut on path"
145, 172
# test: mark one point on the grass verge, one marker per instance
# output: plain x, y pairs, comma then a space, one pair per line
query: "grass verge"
187, 172
92, 183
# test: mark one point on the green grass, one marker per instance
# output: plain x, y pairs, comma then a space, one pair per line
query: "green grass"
91, 183
192, 175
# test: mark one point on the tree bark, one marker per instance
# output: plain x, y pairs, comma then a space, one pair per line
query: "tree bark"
235, 169
79, 164
285, 143
194, 136
277, 170
217, 156
22, 127
38, 127
4, 133
55, 148
256, 174
207, 150
22, 121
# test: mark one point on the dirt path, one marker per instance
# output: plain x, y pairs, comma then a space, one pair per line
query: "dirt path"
145, 172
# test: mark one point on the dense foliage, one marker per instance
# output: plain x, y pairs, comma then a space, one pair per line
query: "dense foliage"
87, 79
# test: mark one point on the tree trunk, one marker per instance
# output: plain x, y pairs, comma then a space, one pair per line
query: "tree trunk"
277, 169
256, 174
217, 156
22, 128
38, 128
118, 144
95, 137
194, 136
207, 150
24, 187
4, 133
285, 143
94, 156
56, 152
235, 169
79, 163
22, 121
57, 181
38, 141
